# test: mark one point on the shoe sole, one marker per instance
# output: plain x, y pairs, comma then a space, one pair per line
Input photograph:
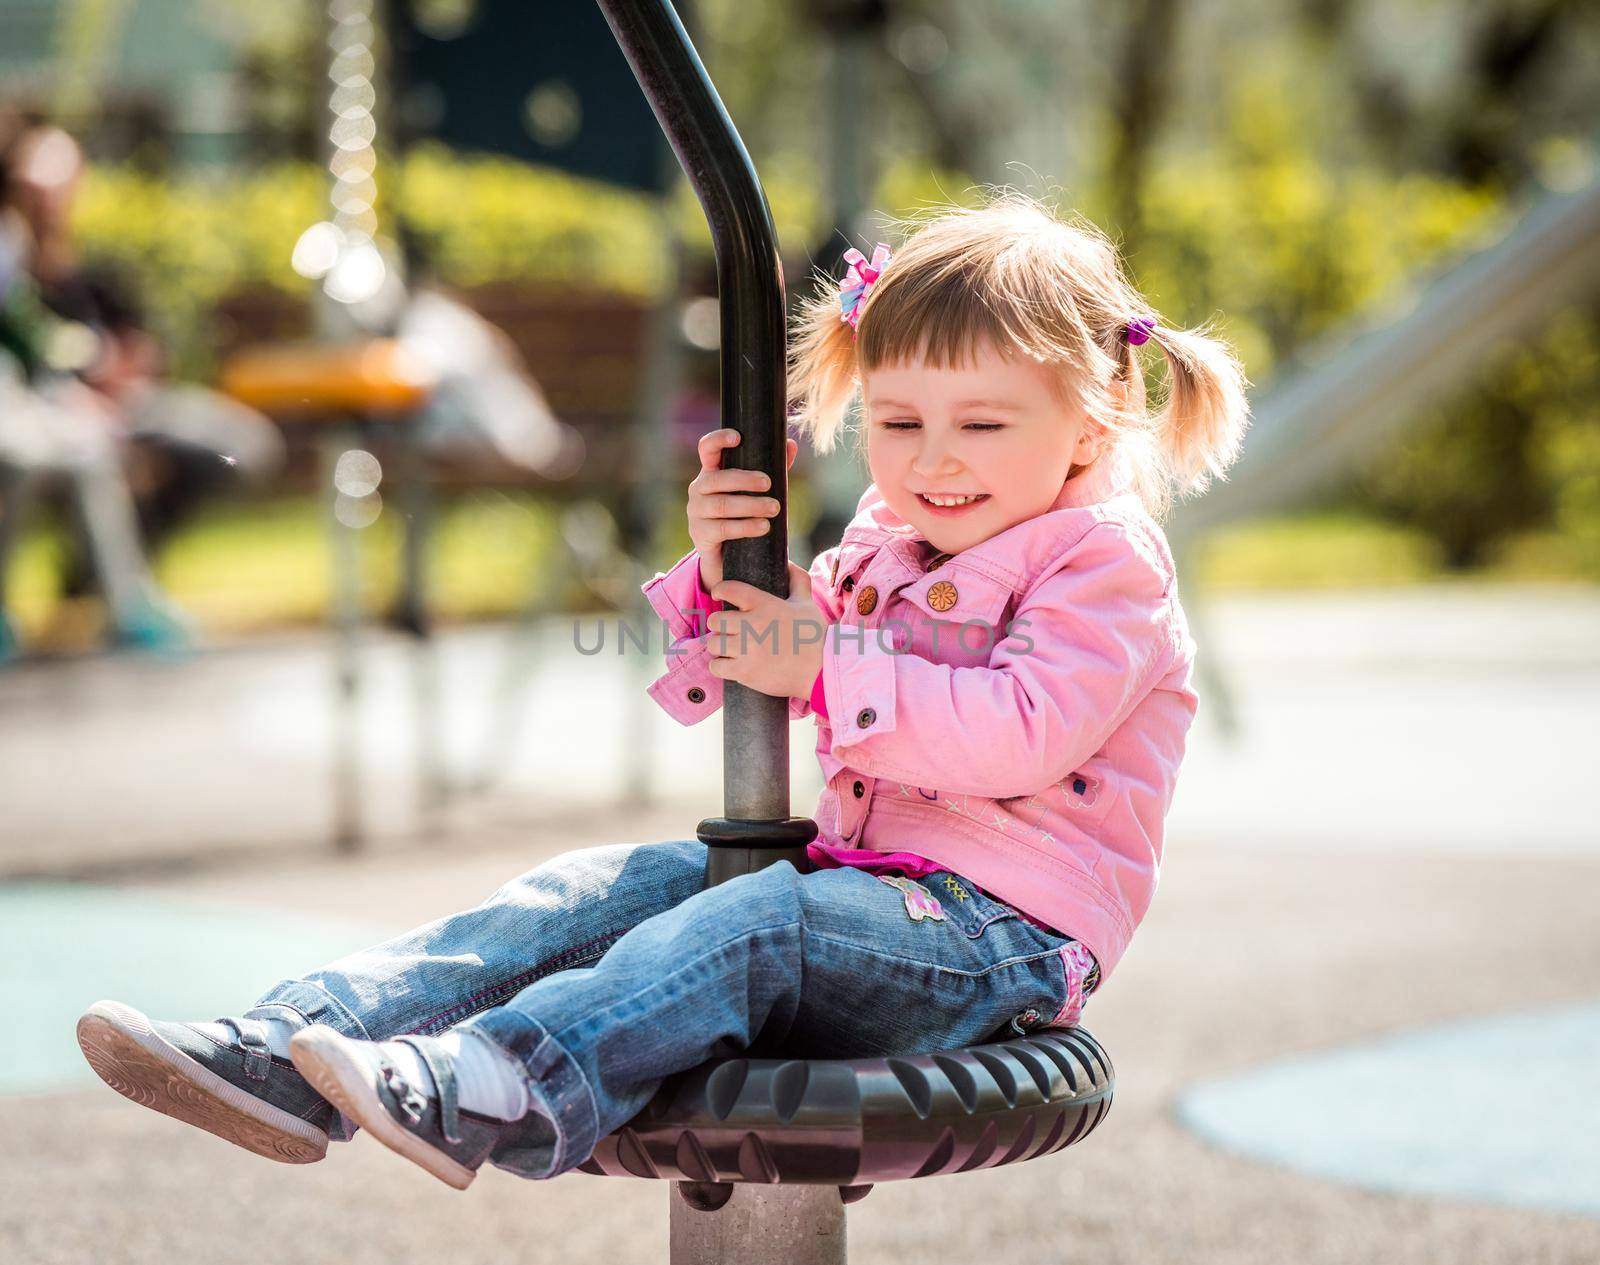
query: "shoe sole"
324, 1058
128, 1055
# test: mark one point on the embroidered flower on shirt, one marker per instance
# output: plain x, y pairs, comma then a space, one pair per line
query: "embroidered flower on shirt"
1081, 789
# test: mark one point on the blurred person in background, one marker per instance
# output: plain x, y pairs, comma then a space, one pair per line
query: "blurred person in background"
486, 406
55, 428
180, 443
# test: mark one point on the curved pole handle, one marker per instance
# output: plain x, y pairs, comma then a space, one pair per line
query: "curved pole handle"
756, 829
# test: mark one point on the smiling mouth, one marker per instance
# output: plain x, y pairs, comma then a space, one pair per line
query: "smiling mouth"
950, 504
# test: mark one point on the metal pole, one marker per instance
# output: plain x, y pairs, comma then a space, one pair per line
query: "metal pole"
416, 504
760, 1225
756, 829
347, 604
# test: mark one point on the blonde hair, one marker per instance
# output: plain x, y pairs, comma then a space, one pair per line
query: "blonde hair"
1014, 276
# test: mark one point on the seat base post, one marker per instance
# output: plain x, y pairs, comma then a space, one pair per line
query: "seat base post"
761, 1225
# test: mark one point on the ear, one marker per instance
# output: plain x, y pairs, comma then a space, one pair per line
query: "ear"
1092, 441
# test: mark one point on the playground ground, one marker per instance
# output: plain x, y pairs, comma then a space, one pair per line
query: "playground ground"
1402, 836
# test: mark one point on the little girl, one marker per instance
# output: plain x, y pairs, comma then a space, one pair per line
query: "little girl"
1000, 674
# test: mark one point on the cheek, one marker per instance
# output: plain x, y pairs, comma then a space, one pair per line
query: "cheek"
883, 462
1027, 473
1016, 463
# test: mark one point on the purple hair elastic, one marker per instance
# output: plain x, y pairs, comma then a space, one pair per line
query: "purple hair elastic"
1139, 330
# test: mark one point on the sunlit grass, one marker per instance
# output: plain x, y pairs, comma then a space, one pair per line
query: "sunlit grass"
1349, 550
1316, 551
250, 567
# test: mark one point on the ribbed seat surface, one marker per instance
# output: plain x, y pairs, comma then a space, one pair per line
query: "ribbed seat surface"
853, 1122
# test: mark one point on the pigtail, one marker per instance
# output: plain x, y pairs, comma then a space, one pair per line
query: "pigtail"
1201, 426
822, 367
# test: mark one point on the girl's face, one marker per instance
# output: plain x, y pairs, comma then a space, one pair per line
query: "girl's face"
993, 429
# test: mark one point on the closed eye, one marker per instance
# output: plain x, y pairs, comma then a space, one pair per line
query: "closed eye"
980, 427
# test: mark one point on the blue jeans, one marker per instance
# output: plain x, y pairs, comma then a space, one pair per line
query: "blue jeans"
606, 969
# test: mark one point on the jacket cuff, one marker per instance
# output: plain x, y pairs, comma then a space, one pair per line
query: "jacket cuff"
858, 678
687, 691
673, 592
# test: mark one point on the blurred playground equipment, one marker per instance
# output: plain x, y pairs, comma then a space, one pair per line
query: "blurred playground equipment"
1348, 394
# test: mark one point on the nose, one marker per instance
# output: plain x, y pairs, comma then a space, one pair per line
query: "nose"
934, 456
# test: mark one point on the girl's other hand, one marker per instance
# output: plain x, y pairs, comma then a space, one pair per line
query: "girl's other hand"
776, 659
719, 507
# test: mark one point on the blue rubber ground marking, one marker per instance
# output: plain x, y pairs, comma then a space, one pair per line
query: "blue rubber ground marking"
1503, 1110
65, 946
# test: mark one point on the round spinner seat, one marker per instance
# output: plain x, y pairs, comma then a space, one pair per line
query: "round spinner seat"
854, 1122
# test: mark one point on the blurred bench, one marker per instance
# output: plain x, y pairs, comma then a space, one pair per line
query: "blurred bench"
586, 351
374, 377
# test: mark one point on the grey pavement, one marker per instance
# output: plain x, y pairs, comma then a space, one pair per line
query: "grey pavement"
1400, 836
1357, 711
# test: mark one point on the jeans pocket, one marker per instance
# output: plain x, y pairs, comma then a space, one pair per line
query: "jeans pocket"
969, 909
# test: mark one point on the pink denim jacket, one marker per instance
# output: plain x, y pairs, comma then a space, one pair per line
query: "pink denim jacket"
1034, 751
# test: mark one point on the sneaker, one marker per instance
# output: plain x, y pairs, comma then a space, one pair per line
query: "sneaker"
235, 1087
424, 1123
154, 627
10, 642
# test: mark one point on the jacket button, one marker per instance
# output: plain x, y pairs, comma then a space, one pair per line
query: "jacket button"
696, 694
867, 601
859, 790
865, 717
849, 583
942, 596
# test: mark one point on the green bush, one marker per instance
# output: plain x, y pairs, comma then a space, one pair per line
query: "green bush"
1567, 432
1515, 454
189, 242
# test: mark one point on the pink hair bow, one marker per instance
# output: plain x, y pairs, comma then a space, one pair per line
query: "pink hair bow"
858, 281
